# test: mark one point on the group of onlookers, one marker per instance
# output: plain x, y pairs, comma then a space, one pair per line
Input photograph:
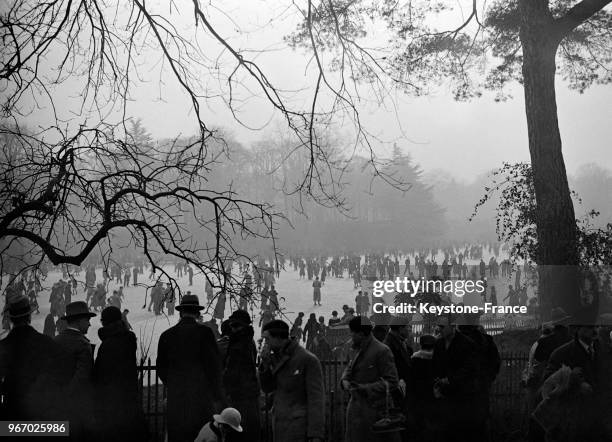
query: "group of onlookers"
563, 380
439, 391
57, 379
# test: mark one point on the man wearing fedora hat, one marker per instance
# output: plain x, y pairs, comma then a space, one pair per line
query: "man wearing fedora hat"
189, 366
456, 383
30, 369
489, 364
549, 343
544, 347
582, 352
582, 355
80, 388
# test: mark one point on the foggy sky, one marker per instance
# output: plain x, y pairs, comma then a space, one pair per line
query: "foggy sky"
465, 139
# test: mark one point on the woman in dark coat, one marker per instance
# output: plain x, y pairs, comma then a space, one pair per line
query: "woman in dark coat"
116, 381
240, 375
49, 328
311, 330
219, 312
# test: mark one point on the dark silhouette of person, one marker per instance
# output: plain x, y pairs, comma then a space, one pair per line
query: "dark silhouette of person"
188, 364
240, 375
118, 409
32, 369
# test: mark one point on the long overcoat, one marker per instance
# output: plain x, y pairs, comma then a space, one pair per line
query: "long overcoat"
459, 363
241, 384
117, 402
34, 368
295, 377
79, 391
188, 364
583, 415
373, 369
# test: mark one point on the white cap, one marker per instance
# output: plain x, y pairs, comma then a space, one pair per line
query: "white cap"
231, 417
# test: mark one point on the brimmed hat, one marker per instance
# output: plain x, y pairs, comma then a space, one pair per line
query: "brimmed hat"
230, 417
110, 314
558, 317
189, 302
77, 309
20, 307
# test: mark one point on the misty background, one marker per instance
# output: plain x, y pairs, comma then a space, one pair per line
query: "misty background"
445, 150
434, 210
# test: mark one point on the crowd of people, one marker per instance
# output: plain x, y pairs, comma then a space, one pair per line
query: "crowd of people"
258, 279
57, 379
563, 381
436, 390
218, 378
29, 285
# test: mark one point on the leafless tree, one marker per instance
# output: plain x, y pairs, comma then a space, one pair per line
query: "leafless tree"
69, 186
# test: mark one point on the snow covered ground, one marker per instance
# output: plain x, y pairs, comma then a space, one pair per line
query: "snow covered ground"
148, 327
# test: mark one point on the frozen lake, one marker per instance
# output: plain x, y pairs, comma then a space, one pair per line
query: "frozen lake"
148, 327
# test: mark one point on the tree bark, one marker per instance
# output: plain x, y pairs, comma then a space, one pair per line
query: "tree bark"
557, 257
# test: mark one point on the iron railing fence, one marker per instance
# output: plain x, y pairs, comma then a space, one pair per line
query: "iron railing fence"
508, 412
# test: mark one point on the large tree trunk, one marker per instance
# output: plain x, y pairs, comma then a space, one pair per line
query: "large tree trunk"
556, 223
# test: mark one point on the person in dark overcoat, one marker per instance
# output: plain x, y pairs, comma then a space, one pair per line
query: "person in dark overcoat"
189, 366
295, 377
544, 347
547, 344
582, 355
580, 352
456, 375
370, 377
240, 375
79, 391
311, 330
421, 389
190, 273
489, 363
49, 327
316, 292
32, 369
396, 340
170, 299
273, 297
219, 311
118, 409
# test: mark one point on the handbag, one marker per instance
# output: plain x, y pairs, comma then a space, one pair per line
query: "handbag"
392, 421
